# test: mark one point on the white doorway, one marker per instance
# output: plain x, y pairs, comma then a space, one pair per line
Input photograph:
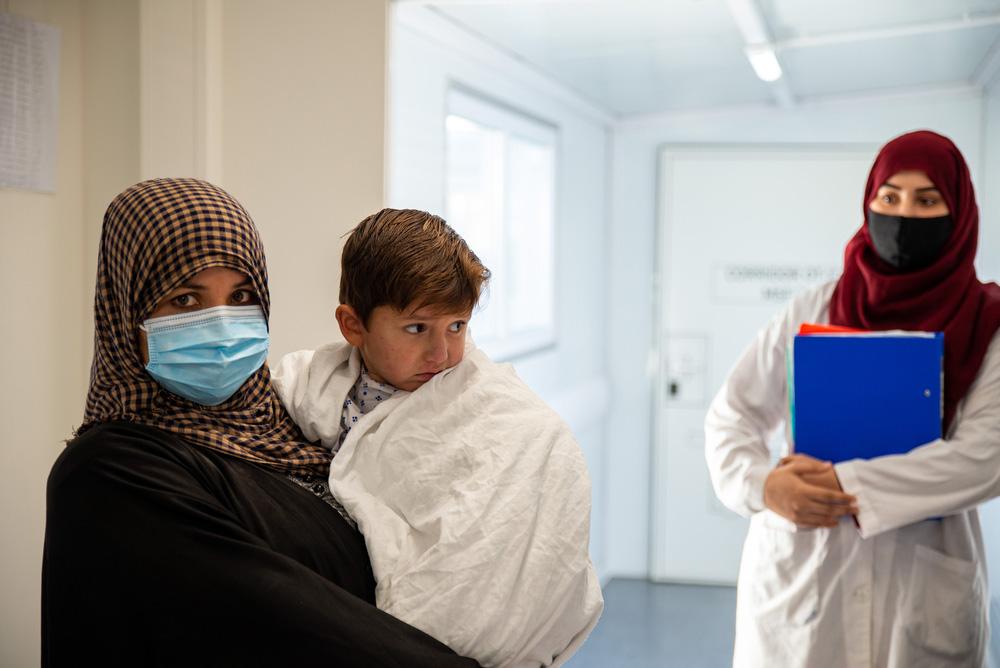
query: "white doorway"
740, 229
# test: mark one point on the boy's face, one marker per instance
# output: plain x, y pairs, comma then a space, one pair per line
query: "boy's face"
406, 348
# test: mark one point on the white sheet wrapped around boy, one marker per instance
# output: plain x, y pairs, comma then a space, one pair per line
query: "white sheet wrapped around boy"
472, 495
474, 500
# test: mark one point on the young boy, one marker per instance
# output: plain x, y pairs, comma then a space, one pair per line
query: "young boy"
472, 494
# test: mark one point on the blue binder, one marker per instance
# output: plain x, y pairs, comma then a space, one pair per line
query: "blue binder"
865, 395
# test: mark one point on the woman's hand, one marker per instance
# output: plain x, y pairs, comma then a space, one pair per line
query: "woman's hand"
806, 491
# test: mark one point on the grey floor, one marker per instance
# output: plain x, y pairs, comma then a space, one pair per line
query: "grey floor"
647, 625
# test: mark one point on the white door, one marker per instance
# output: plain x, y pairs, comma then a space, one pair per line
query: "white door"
741, 229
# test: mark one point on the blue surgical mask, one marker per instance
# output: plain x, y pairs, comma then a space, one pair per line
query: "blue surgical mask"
206, 355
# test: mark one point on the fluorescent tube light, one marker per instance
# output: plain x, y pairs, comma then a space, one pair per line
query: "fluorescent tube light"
764, 62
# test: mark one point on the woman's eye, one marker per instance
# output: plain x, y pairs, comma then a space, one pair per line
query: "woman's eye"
888, 198
928, 202
414, 329
456, 326
184, 301
243, 297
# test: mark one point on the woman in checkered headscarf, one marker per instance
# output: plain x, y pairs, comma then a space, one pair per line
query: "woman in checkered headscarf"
156, 236
181, 527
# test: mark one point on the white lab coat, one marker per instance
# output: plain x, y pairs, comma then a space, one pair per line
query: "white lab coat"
907, 588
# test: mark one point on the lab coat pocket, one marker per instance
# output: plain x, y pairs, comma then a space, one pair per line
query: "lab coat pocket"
785, 589
944, 604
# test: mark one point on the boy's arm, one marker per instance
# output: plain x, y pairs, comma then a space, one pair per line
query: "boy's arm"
312, 386
290, 381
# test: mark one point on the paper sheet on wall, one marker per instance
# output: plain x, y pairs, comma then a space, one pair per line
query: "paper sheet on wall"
29, 87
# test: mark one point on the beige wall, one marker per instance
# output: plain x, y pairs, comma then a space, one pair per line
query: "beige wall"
111, 125
303, 143
282, 102
44, 368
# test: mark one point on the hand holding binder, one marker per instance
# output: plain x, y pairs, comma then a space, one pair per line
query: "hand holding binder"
805, 491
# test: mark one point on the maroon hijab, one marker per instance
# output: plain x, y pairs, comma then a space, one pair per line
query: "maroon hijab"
943, 297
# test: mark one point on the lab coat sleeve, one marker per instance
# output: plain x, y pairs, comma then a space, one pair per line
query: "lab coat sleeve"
748, 408
942, 477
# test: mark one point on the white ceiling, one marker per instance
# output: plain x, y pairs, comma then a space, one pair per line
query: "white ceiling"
648, 56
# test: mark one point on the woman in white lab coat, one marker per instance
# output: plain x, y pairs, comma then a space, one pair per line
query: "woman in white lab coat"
873, 562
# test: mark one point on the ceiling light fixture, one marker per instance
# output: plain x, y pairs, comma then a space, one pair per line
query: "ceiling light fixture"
765, 62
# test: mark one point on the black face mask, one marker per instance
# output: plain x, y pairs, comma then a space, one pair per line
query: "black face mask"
908, 243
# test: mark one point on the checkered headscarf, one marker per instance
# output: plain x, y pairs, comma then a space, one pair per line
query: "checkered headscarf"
156, 235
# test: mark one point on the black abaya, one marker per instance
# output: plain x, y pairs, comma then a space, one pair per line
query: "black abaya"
161, 553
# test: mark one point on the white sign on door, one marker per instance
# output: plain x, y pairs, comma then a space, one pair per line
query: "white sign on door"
750, 282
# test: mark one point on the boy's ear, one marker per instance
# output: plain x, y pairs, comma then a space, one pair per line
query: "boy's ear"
351, 325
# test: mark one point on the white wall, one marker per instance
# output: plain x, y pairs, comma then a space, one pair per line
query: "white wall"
281, 103
989, 243
957, 113
427, 55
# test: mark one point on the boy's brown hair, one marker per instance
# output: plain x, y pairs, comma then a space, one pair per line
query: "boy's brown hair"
407, 258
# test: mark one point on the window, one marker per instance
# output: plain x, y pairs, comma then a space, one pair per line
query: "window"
500, 196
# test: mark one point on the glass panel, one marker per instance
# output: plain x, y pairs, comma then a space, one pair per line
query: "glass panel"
500, 196
474, 204
528, 272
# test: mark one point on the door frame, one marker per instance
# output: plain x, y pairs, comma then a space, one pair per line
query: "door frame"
660, 291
